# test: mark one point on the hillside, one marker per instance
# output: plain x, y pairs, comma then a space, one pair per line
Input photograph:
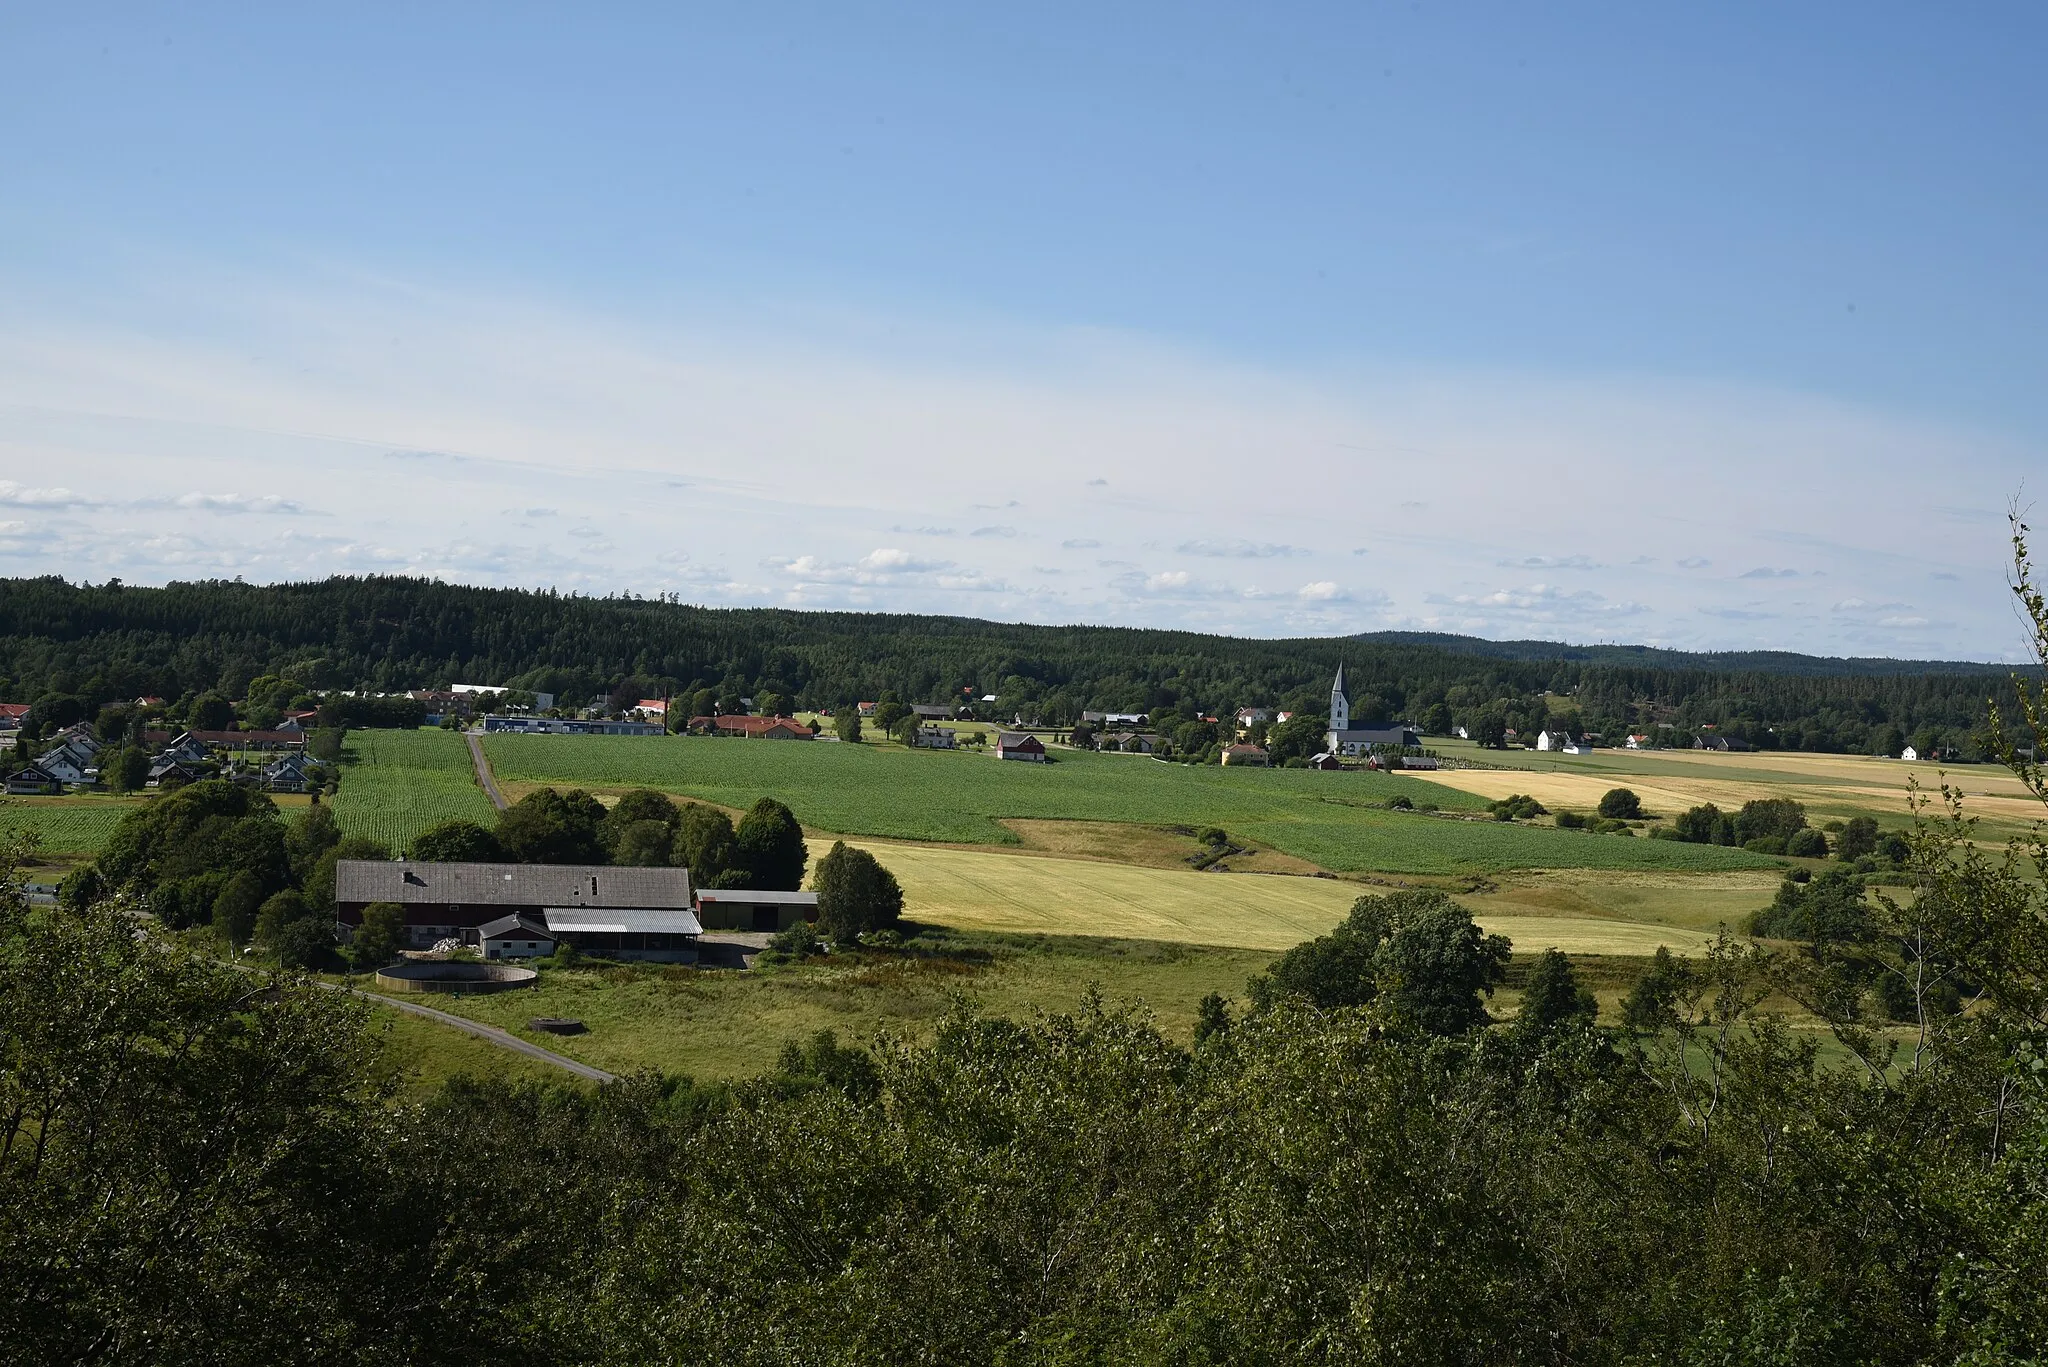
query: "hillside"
111, 641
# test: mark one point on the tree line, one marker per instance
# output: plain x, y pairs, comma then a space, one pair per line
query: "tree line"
75, 649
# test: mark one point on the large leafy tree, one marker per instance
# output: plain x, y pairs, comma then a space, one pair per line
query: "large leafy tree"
548, 827
855, 894
769, 847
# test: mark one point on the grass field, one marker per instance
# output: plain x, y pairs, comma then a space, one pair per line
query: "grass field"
1333, 820
423, 1054
716, 1023
395, 784
65, 825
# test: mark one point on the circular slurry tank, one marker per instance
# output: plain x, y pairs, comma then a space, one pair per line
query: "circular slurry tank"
440, 975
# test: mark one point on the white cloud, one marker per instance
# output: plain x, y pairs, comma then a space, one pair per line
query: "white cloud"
628, 437
1322, 591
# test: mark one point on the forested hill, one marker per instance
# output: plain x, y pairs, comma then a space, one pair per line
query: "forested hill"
108, 642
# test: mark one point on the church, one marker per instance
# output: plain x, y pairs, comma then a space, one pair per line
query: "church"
1345, 739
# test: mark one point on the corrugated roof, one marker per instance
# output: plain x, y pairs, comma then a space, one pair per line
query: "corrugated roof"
513, 885
748, 896
622, 920
508, 925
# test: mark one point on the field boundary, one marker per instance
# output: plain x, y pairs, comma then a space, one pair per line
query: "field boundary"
486, 780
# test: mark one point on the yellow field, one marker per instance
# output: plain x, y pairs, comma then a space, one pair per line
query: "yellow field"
1669, 781
987, 890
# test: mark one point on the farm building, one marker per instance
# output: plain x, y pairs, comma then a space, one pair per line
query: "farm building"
1325, 760
762, 728
514, 937
455, 901
1729, 744
1243, 756
563, 726
745, 909
1131, 742
1017, 745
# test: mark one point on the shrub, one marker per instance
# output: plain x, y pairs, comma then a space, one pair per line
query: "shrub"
1765, 844
1858, 838
855, 894
1621, 804
1400, 802
1571, 821
1516, 807
1807, 844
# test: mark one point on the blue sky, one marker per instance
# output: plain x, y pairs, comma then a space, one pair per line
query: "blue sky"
1595, 323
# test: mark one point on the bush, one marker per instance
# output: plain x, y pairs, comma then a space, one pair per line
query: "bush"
1213, 835
1517, 807
1705, 824
1571, 821
1621, 804
1857, 839
856, 894
1825, 909
796, 942
1400, 802
1807, 844
1766, 844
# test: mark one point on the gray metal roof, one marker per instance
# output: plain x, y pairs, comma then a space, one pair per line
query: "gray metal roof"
748, 896
512, 885
622, 920
507, 926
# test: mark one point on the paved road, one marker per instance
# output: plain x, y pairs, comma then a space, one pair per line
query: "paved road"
484, 776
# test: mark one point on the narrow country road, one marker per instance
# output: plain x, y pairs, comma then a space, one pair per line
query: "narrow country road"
503, 1039
484, 777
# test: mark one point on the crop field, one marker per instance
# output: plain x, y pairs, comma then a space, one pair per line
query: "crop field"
1669, 781
993, 891
65, 825
395, 784
1334, 820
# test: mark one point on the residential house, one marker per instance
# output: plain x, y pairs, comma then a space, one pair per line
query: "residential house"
1244, 756
244, 740
652, 707
1722, 743
866, 709
1249, 716
176, 772
1131, 742
287, 774
11, 713
1635, 742
934, 738
1581, 746
298, 721
33, 780
1115, 718
746, 909
1462, 732
1909, 754
1547, 739
564, 726
1017, 745
63, 764
148, 701
623, 912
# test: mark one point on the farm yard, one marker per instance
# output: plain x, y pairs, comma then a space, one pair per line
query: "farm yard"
395, 784
1334, 821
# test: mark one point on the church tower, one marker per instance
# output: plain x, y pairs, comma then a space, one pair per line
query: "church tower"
1340, 704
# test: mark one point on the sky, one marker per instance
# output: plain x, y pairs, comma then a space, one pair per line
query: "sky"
1717, 328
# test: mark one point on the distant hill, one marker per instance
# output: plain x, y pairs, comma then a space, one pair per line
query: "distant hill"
1654, 657
109, 642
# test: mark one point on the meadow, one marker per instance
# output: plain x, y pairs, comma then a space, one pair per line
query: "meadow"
395, 784
717, 1023
1336, 821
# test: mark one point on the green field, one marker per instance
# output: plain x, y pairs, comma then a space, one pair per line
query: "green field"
1330, 819
717, 1023
65, 825
395, 784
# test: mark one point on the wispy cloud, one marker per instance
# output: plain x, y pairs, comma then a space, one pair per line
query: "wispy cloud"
1233, 548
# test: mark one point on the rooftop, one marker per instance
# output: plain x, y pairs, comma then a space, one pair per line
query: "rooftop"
512, 885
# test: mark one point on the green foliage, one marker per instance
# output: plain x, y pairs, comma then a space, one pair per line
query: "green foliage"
1553, 998
1652, 1002
128, 770
456, 841
856, 894
380, 936
1857, 839
81, 888
1705, 824
235, 906
821, 1062
1212, 1018
769, 847
705, 844
846, 725
1830, 907
210, 712
208, 827
277, 912
1416, 953
547, 827
1771, 818
1807, 843
798, 940
1621, 804
1516, 807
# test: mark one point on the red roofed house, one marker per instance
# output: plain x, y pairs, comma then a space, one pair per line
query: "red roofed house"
763, 728
1244, 755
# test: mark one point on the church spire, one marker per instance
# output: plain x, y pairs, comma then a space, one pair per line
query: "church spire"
1340, 704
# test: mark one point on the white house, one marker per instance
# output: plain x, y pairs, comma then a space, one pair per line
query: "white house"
1909, 753
1578, 747
63, 764
1548, 739
1638, 742
514, 937
1462, 732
